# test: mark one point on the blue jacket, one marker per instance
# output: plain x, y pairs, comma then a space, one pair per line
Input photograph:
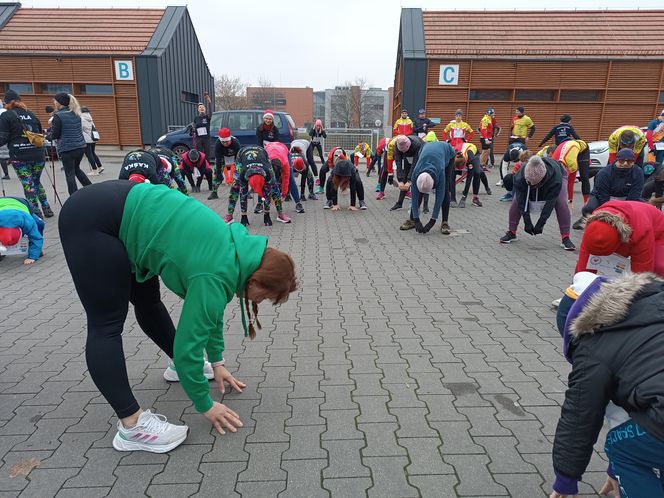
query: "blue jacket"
68, 130
434, 158
612, 181
28, 223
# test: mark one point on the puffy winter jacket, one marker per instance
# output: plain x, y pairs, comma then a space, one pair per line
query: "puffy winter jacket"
612, 181
616, 347
68, 130
87, 124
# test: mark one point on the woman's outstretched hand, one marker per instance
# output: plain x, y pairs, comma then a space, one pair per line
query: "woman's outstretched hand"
221, 416
222, 375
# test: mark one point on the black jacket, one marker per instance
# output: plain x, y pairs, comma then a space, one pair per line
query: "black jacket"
617, 352
612, 181
316, 136
560, 133
266, 135
422, 125
403, 174
11, 133
143, 162
221, 151
548, 191
202, 121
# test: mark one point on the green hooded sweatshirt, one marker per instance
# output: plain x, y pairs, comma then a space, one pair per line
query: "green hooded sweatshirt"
198, 257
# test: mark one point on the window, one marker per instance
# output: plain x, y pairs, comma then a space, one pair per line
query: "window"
280, 101
661, 97
241, 121
215, 122
18, 87
534, 95
190, 98
96, 89
580, 95
490, 95
55, 88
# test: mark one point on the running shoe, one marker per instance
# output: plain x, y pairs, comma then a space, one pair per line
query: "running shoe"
445, 228
48, 212
378, 187
363, 205
579, 224
380, 196
477, 202
100, 169
298, 208
328, 205
489, 192
499, 183
171, 375
259, 208
567, 244
319, 190
462, 203
508, 238
408, 194
453, 204
507, 197
228, 218
407, 225
151, 433
313, 197
213, 195
396, 206
283, 218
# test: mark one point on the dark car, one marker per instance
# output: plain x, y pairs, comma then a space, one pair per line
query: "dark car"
242, 124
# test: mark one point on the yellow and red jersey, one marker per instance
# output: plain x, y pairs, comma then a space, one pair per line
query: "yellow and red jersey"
465, 148
380, 148
403, 127
614, 139
567, 154
362, 148
487, 126
457, 132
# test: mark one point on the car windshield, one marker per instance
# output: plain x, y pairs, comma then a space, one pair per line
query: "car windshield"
215, 122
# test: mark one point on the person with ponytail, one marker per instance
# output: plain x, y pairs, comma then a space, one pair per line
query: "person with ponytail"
67, 129
145, 234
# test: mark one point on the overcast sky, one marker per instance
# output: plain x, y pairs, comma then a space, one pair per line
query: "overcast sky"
316, 43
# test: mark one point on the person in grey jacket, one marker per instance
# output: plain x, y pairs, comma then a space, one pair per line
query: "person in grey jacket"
88, 126
68, 131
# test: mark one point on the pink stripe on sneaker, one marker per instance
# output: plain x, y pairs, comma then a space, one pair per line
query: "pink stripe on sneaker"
153, 438
137, 436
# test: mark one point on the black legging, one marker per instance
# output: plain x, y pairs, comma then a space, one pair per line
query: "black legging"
319, 148
383, 175
189, 174
311, 160
203, 145
306, 179
3, 164
356, 189
71, 162
450, 173
89, 223
406, 175
584, 175
322, 174
92, 156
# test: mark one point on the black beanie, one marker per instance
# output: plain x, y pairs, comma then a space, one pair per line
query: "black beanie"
565, 118
11, 95
62, 99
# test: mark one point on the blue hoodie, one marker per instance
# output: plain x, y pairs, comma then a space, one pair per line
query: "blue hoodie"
14, 214
434, 158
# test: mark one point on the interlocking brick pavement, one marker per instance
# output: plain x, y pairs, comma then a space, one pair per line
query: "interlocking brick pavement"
404, 365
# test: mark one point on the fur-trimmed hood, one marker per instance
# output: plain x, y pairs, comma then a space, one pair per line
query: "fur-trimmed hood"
609, 303
614, 220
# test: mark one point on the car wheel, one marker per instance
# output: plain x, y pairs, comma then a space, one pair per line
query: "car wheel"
179, 149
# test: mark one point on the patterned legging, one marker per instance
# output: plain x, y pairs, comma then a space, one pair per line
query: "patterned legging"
29, 172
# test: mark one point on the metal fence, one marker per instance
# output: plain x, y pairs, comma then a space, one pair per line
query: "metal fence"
348, 138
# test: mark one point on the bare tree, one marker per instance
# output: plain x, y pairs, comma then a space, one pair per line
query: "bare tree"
355, 104
229, 93
341, 105
262, 96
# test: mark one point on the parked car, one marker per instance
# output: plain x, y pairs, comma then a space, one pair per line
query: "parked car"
242, 124
599, 154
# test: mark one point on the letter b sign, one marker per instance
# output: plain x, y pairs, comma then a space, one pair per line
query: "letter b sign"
449, 75
124, 71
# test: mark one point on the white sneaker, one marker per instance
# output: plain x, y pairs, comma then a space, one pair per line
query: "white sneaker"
499, 184
556, 302
171, 375
151, 433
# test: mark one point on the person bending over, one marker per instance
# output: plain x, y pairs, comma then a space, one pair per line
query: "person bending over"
194, 166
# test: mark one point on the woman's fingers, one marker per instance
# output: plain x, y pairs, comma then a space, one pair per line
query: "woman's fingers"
217, 426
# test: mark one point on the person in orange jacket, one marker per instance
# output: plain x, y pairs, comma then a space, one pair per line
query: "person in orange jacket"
458, 131
403, 125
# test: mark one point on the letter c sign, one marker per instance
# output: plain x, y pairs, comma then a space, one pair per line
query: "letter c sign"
449, 75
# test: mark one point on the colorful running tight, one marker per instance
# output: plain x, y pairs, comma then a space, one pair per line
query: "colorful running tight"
29, 173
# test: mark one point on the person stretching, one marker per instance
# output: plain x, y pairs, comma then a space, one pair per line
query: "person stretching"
194, 165
344, 176
145, 233
17, 219
225, 151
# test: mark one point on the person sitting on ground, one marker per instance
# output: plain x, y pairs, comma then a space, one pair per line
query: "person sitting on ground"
194, 165
629, 229
18, 220
343, 177
458, 131
617, 181
431, 174
362, 150
225, 150
145, 234
422, 124
142, 166
406, 148
281, 164
254, 169
561, 132
468, 158
614, 337
267, 131
540, 186
627, 137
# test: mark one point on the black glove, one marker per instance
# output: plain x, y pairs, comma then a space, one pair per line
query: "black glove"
419, 228
267, 220
528, 228
429, 225
538, 229
245, 220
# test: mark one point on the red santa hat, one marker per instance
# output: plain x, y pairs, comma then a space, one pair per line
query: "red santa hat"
268, 114
298, 165
10, 236
225, 135
257, 184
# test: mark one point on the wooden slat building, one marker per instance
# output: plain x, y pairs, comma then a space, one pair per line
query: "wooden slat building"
583, 63
139, 71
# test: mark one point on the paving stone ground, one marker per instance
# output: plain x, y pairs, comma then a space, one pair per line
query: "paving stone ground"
404, 365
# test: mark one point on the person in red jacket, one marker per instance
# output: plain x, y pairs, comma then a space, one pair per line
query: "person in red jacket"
194, 166
403, 125
488, 129
629, 229
336, 154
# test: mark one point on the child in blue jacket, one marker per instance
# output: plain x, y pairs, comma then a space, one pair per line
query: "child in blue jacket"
17, 220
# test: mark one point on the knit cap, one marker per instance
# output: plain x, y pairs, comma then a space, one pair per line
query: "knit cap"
403, 143
535, 171
425, 183
600, 238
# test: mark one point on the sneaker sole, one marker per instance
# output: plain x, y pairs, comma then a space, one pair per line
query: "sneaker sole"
507, 241
283, 221
568, 248
121, 444
171, 375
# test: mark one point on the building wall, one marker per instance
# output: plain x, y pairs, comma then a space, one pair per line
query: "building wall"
298, 102
115, 114
375, 101
164, 73
319, 106
609, 93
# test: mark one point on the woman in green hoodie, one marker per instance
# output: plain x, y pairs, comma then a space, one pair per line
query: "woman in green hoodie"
138, 234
